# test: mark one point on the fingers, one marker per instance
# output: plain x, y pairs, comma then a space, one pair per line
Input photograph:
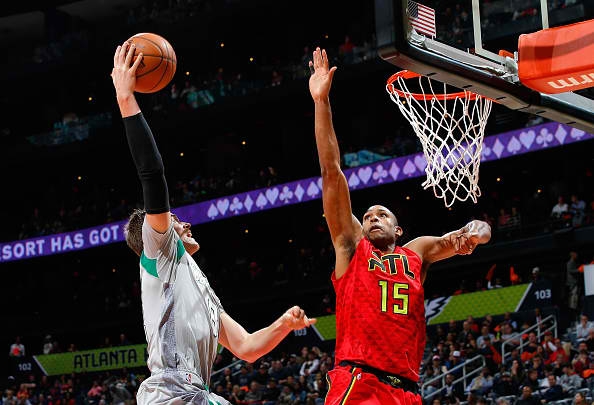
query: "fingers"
331, 72
123, 53
316, 58
136, 63
129, 55
299, 317
116, 55
324, 59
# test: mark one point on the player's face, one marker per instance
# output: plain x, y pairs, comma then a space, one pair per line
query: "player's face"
380, 226
184, 231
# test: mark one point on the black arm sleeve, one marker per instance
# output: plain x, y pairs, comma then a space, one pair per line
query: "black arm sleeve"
148, 164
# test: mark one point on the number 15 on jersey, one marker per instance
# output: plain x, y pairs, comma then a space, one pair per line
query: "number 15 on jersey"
396, 293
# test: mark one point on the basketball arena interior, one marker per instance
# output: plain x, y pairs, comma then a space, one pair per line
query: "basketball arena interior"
235, 128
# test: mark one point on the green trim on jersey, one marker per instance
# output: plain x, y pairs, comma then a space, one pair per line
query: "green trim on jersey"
150, 265
181, 250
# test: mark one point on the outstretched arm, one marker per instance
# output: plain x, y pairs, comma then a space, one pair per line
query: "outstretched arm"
251, 346
140, 139
345, 229
461, 242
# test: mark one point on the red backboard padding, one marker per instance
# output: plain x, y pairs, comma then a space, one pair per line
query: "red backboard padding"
557, 60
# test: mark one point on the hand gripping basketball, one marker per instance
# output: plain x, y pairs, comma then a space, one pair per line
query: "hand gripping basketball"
123, 73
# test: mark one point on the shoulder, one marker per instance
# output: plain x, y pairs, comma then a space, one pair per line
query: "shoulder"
410, 253
421, 245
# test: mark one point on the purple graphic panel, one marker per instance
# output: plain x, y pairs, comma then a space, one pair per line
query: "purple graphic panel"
495, 147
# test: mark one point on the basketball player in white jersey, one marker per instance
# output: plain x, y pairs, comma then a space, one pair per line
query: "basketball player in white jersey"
183, 318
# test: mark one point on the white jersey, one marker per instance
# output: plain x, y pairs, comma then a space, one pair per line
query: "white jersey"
181, 321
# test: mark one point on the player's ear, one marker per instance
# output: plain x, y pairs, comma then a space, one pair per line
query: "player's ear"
398, 231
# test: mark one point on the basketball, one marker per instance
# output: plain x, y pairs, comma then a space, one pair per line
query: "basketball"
158, 65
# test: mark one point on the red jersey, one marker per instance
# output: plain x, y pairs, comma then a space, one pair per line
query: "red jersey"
380, 311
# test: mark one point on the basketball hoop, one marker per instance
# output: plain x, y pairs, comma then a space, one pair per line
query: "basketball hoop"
451, 128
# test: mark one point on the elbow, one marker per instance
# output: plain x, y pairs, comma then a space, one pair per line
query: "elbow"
250, 357
331, 171
245, 352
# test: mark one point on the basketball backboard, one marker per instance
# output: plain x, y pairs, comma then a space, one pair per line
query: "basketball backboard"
461, 53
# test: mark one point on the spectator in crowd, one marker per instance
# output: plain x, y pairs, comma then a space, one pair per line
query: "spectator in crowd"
428, 375
570, 380
581, 362
532, 381
508, 335
482, 383
583, 328
492, 355
571, 282
346, 51
503, 219
505, 385
271, 393
515, 219
466, 330
47, 344
527, 398
17, 349
310, 366
559, 210
237, 395
554, 391
577, 209
579, 399
254, 395
590, 341
451, 389
480, 341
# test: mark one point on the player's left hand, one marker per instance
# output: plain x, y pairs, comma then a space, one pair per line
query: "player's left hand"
123, 73
295, 319
466, 242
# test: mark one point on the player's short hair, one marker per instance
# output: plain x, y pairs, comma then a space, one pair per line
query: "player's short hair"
133, 230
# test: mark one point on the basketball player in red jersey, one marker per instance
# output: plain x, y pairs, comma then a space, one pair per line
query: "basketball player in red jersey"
380, 312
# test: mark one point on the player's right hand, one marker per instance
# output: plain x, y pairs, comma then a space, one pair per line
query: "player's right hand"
123, 73
321, 77
296, 319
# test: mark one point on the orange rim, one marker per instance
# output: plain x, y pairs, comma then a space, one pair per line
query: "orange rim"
407, 74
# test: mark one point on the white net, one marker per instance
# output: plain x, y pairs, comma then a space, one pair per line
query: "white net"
451, 129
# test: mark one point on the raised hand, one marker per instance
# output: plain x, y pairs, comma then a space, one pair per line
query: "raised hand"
321, 78
123, 73
295, 319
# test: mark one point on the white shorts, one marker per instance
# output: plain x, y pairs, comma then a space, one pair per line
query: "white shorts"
176, 388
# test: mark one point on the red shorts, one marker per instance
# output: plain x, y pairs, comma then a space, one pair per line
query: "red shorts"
349, 385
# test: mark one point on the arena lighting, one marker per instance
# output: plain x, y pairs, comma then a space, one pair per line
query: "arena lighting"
243, 142
539, 191
90, 98
251, 59
498, 179
222, 44
79, 178
407, 197
181, 154
113, 270
290, 240
246, 231
326, 36
187, 73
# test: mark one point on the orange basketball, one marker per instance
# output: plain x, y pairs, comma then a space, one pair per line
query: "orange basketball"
158, 64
